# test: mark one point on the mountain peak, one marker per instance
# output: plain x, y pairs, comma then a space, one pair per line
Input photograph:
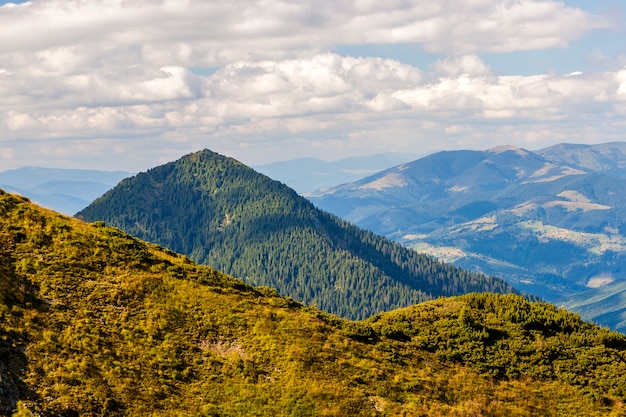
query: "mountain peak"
605, 158
224, 214
508, 148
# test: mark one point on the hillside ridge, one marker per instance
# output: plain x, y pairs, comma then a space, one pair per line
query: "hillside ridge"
96, 322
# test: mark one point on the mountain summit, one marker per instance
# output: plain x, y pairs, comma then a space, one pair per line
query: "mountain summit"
222, 213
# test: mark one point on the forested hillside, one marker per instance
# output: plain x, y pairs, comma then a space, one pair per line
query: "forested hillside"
95, 322
222, 213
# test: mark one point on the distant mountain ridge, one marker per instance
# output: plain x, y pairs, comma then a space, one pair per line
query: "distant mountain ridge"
70, 190
607, 158
64, 190
553, 222
224, 214
309, 174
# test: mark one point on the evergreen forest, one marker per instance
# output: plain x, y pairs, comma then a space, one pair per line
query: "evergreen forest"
221, 213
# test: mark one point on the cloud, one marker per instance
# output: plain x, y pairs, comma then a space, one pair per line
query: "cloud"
117, 74
325, 95
464, 64
530, 97
69, 53
19, 121
215, 33
620, 77
320, 84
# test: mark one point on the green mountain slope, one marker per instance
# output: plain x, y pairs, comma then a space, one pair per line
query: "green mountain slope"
221, 213
95, 322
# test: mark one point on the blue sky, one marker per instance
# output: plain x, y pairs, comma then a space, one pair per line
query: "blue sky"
119, 84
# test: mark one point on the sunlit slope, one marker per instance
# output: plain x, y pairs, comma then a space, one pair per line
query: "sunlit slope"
223, 214
95, 322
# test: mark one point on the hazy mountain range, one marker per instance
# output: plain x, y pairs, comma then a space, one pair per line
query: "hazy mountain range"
309, 174
552, 222
70, 190
608, 158
64, 190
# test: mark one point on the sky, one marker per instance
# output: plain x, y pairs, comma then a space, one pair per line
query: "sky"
132, 84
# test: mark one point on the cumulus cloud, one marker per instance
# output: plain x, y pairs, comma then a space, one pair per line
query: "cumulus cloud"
121, 75
323, 84
215, 32
464, 64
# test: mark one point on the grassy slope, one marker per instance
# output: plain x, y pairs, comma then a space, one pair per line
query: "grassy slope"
95, 322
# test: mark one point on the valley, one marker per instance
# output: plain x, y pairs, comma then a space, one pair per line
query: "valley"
551, 221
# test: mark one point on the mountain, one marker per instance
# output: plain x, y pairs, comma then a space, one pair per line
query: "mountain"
606, 303
222, 213
308, 174
605, 158
96, 322
63, 190
549, 228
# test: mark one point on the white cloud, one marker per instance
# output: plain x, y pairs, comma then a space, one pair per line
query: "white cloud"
321, 84
328, 96
620, 77
7, 153
522, 97
214, 32
464, 64
19, 121
118, 74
